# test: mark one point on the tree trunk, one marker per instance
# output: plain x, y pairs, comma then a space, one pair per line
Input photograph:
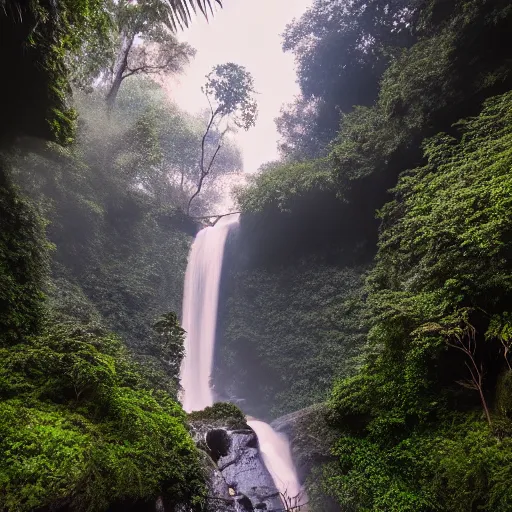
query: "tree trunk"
119, 69
204, 173
206, 170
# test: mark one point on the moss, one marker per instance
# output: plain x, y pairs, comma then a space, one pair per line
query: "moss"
23, 263
222, 413
78, 427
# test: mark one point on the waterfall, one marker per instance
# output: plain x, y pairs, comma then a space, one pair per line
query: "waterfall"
200, 305
277, 456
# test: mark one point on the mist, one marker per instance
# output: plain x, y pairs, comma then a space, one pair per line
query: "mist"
255, 256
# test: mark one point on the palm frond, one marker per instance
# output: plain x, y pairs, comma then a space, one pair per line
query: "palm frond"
181, 11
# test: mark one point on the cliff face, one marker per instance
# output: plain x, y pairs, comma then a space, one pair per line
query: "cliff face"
287, 327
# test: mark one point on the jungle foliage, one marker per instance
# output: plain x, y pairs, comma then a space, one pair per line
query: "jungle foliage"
269, 325
84, 425
81, 428
405, 109
423, 416
87, 424
414, 435
113, 201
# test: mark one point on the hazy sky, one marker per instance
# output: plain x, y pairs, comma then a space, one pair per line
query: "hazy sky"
247, 32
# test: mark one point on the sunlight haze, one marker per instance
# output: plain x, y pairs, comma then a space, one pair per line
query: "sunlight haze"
235, 35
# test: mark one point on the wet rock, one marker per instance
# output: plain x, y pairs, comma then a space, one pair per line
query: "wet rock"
218, 442
219, 497
238, 480
245, 472
244, 504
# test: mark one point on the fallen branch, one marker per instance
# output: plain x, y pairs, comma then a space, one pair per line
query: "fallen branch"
205, 217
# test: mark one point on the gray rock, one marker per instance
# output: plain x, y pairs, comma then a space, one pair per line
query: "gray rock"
219, 498
238, 480
245, 472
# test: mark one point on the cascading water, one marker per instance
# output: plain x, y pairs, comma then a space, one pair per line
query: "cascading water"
200, 306
277, 456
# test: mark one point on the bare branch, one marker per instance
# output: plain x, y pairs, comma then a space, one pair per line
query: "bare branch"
206, 217
144, 69
466, 342
204, 172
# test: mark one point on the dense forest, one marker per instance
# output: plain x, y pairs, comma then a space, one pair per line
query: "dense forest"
94, 236
366, 289
374, 267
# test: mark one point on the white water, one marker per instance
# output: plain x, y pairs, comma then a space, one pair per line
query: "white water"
200, 305
275, 450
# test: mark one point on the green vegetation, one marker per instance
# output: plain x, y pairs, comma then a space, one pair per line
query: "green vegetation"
79, 427
87, 424
220, 413
438, 298
279, 186
84, 424
23, 261
404, 316
273, 318
422, 413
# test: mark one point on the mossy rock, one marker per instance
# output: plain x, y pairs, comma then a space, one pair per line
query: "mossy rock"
223, 414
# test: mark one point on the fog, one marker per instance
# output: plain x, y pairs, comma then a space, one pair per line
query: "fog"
248, 34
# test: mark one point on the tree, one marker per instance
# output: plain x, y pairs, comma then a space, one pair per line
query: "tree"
229, 90
159, 146
458, 333
300, 131
181, 146
142, 42
146, 44
341, 49
158, 53
172, 349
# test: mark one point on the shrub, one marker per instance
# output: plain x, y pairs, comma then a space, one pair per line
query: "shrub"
226, 413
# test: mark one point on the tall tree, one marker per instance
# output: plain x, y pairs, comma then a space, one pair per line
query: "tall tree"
229, 90
146, 44
302, 136
160, 146
142, 42
341, 49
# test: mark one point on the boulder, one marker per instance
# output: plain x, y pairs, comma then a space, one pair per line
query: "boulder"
245, 472
237, 478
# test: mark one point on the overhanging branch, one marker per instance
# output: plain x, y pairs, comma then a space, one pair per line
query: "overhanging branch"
215, 215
